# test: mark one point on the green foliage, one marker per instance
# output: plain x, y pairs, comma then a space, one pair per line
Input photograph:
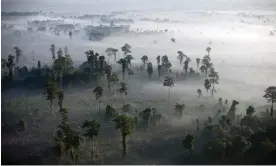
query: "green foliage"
92, 127
125, 124
110, 112
51, 91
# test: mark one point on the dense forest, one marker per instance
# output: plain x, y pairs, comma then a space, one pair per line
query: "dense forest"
222, 137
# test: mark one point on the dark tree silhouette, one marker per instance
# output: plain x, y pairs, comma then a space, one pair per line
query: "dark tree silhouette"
150, 69
98, 93
158, 59
207, 84
123, 63
208, 50
125, 124
126, 49
144, 60
128, 60
51, 91
18, 53
199, 93
181, 56
197, 62
168, 82
53, 51
93, 128
188, 143
179, 108
270, 96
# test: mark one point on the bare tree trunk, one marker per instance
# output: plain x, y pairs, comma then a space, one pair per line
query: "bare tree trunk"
124, 145
271, 111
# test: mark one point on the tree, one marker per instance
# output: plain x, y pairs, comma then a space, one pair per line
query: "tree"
102, 60
93, 128
250, 110
206, 62
70, 34
150, 70
92, 58
180, 56
60, 99
59, 66
110, 112
53, 51
199, 93
179, 108
128, 60
98, 93
270, 96
125, 124
159, 70
197, 62
186, 65
168, 82
123, 63
108, 70
158, 59
144, 60
173, 40
68, 62
146, 116
123, 90
51, 90
111, 51
126, 49
188, 144
208, 50
18, 53
213, 79
207, 84
38, 65
10, 65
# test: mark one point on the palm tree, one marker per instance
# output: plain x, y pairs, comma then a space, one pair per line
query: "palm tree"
179, 108
207, 84
123, 90
168, 82
93, 128
199, 93
150, 69
213, 79
51, 91
98, 93
123, 63
18, 53
208, 50
128, 60
197, 62
206, 61
188, 144
186, 65
144, 60
125, 124
158, 59
202, 69
180, 56
53, 51
270, 96
126, 49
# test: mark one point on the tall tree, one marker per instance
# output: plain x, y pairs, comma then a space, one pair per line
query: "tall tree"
146, 116
144, 60
108, 70
102, 62
126, 49
158, 59
18, 53
123, 63
68, 62
180, 56
92, 131
197, 62
60, 100
270, 96
110, 112
207, 84
123, 90
214, 77
188, 144
128, 60
186, 65
150, 70
199, 92
51, 91
168, 82
59, 66
10, 65
179, 108
159, 68
98, 93
53, 51
114, 79
208, 50
125, 124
